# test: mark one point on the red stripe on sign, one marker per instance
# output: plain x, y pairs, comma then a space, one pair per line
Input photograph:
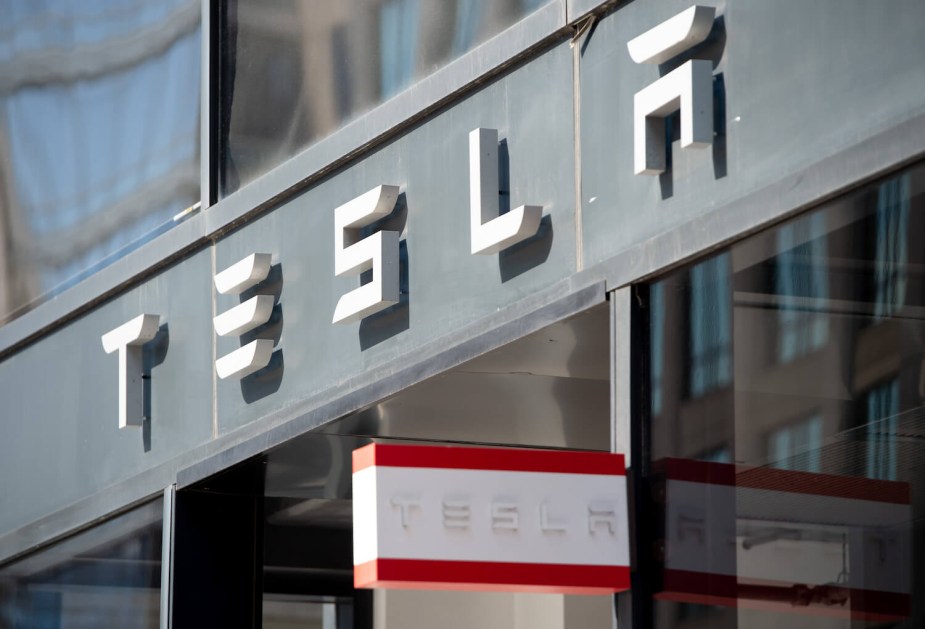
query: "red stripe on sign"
488, 576
772, 479
502, 459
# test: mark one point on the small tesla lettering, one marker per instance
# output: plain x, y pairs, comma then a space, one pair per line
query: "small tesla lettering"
456, 514
405, 503
549, 524
505, 515
602, 514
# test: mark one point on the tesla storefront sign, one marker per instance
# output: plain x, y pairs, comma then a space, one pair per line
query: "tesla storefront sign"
453, 518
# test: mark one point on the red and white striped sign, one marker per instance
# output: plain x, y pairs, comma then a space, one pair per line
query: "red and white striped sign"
453, 518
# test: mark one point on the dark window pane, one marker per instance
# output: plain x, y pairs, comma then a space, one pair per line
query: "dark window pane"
99, 136
787, 423
106, 577
293, 72
272, 538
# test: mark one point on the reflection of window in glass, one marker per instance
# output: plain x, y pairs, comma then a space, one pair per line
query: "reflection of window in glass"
710, 326
656, 344
892, 248
797, 446
882, 415
801, 274
467, 22
397, 44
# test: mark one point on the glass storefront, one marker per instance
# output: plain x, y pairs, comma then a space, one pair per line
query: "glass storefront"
784, 470
106, 576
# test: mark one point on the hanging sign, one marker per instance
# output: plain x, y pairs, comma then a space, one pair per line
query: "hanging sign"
494, 519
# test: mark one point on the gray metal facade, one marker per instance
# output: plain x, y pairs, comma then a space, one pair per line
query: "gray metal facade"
812, 99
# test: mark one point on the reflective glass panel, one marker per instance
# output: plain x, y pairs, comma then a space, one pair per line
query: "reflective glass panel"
99, 136
293, 72
786, 402
108, 576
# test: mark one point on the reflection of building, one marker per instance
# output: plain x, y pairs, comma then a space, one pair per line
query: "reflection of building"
746, 326
99, 137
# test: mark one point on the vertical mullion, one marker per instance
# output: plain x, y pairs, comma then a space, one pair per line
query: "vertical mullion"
637, 334
208, 97
170, 494
621, 374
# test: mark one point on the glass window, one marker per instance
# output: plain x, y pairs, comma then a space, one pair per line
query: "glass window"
99, 136
108, 576
293, 72
791, 496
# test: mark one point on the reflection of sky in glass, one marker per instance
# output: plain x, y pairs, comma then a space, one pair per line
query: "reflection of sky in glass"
101, 113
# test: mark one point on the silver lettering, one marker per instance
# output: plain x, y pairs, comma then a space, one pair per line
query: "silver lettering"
602, 513
505, 516
456, 513
549, 525
405, 504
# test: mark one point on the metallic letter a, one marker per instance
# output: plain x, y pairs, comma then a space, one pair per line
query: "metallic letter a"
688, 88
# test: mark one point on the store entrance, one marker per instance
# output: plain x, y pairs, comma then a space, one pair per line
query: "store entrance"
268, 543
